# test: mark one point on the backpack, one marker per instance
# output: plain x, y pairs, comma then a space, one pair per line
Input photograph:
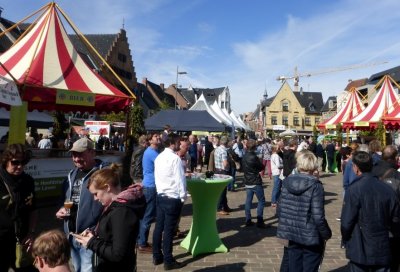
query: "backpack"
233, 155
391, 177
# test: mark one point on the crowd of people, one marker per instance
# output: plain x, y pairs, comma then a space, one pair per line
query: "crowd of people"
107, 222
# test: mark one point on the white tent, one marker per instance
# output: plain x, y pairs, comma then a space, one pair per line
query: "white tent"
227, 119
201, 104
235, 121
288, 132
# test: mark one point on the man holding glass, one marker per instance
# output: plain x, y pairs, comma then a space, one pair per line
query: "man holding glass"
85, 211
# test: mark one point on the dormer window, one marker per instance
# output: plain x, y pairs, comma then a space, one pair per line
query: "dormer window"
285, 106
331, 104
311, 107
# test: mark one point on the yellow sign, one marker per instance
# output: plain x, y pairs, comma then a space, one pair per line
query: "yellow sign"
330, 126
75, 98
361, 124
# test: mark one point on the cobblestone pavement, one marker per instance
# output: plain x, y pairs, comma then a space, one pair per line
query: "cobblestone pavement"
250, 248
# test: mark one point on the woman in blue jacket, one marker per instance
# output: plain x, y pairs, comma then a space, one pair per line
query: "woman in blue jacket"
302, 216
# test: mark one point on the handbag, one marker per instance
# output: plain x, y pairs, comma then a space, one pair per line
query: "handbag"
23, 258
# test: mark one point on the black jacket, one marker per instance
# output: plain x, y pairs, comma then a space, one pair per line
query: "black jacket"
252, 166
117, 233
289, 161
136, 170
370, 210
301, 211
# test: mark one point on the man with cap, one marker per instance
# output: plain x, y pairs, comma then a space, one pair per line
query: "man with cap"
85, 211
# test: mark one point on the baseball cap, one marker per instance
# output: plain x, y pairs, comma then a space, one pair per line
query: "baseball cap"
82, 145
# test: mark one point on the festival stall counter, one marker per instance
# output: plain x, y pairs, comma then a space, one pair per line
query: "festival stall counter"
203, 235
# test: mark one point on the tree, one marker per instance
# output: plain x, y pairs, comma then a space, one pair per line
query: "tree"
339, 135
136, 120
114, 117
380, 132
60, 126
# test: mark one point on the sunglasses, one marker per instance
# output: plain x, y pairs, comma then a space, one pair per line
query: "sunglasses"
18, 162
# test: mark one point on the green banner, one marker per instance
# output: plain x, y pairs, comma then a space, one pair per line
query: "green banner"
75, 98
18, 115
361, 124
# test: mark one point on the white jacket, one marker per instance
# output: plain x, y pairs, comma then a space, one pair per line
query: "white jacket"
276, 164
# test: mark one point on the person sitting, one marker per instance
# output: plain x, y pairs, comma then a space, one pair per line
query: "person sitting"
51, 252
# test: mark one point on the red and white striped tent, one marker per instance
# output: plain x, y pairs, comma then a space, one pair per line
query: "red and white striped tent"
392, 120
50, 73
384, 102
351, 109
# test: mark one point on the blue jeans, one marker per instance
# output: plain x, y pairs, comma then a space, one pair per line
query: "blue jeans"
150, 194
168, 212
231, 185
81, 257
259, 191
304, 258
276, 191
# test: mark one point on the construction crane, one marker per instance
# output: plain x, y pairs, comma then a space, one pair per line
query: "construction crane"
296, 76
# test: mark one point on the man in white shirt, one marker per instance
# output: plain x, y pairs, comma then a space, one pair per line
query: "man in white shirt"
171, 193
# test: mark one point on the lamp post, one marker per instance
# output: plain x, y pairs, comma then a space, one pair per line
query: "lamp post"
177, 75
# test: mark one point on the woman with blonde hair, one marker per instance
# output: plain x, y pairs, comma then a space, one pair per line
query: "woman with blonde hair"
301, 216
114, 238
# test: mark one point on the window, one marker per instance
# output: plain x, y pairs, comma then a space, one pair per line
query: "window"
121, 57
308, 121
274, 120
331, 104
285, 120
296, 121
285, 106
316, 120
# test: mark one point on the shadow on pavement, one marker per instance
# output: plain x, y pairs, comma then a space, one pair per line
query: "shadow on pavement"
237, 267
340, 269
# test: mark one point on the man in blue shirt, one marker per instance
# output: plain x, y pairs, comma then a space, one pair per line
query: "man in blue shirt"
150, 192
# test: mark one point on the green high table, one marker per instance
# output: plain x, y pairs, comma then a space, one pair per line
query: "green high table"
203, 235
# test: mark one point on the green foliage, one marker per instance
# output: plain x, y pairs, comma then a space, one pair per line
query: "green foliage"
380, 132
315, 132
60, 125
339, 135
165, 105
114, 117
136, 121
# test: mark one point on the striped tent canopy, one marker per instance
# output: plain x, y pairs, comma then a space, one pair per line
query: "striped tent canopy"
351, 109
51, 75
392, 120
384, 102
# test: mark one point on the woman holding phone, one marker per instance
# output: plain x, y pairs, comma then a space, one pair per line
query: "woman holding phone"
114, 238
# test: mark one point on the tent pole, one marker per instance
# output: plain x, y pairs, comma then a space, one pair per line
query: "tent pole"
82, 37
23, 20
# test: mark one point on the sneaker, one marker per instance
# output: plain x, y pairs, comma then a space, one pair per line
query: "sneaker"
222, 212
157, 261
173, 265
147, 249
249, 223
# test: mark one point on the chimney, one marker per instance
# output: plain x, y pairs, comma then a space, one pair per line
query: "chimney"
144, 81
162, 86
301, 90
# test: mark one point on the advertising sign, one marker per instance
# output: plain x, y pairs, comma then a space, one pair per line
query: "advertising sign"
50, 173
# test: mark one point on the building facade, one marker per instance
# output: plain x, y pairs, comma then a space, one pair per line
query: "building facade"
298, 111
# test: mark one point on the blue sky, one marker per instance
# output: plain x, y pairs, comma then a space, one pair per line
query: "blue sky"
244, 45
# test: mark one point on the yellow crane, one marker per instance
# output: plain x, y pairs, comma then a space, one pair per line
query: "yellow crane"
296, 76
